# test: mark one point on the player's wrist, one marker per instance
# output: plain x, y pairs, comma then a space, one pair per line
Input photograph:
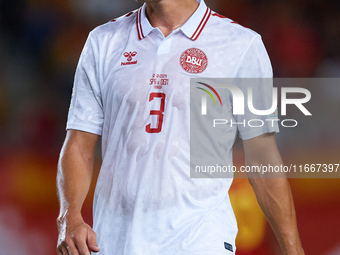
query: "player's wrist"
295, 249
69, 215
296, 252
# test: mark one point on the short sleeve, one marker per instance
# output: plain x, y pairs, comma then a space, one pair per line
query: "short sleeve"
255, 72
86, 108
255, 61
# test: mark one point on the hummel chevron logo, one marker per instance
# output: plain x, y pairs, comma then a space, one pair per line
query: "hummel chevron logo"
129, 56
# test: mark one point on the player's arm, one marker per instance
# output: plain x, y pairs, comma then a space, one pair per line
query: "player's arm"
273, 194
75, 169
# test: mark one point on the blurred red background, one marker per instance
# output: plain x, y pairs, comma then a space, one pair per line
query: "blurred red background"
40, 43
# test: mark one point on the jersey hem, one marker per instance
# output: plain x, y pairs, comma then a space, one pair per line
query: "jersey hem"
202, 253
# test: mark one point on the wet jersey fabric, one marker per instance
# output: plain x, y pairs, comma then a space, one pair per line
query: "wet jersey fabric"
132, 87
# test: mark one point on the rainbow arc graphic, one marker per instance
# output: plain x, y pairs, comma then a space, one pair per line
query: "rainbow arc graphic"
209, 93
204, 100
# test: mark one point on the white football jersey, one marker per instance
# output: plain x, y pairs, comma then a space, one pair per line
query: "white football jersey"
132, 87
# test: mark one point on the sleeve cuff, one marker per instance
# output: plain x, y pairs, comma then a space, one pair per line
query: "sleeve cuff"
93, 130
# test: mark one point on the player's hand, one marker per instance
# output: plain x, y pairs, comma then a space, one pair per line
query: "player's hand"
75, 237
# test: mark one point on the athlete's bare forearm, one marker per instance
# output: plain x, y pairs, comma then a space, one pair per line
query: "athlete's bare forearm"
75, 169
275, 199
274, 194
74, 176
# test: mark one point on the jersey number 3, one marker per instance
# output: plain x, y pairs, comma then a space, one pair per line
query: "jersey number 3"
159, 113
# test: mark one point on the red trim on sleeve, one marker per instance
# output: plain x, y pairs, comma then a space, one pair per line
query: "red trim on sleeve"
234, 22
219, 15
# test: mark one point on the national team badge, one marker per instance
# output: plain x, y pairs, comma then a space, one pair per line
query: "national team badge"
194, 60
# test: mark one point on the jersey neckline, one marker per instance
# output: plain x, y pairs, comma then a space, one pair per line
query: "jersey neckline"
192, 28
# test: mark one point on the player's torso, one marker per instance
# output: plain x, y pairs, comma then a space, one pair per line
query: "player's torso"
145, 84
145, 88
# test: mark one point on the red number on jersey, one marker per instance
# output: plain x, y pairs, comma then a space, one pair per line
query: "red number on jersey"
159, 113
